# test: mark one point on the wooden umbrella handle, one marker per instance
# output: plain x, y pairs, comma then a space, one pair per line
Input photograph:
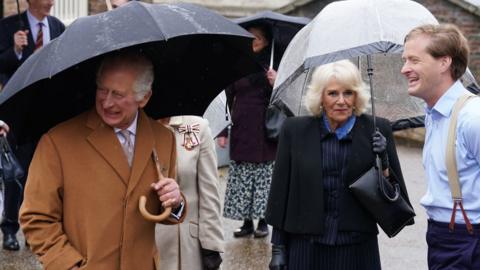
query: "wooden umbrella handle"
143, 200
154, 218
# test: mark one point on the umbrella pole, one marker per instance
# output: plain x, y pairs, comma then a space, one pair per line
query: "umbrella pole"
20, 21
109, 5
370, 77
271, 54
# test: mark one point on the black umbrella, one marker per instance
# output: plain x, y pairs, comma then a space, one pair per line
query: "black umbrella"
196, 53
282, 27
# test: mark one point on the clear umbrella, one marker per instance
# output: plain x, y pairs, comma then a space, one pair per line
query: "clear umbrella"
218, 114
359, 28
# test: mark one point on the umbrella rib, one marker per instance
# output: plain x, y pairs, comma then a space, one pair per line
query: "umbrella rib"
379, 22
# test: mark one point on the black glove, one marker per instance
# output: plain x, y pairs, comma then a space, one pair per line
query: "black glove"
380, 148
211, 259
279, 258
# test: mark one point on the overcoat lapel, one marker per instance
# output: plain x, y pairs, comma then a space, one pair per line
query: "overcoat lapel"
104, 140
144, 144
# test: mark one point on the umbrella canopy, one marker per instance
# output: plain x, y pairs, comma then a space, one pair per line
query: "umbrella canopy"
218, 114
196, 53
352, 30
282, 27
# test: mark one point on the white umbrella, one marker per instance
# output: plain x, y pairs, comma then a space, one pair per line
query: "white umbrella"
217, 114
351, 30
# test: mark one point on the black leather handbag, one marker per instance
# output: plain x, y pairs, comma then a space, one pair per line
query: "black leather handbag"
10, 168
383, 200
276, 113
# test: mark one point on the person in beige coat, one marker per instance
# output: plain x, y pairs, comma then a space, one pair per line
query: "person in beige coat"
196, 243
81, 199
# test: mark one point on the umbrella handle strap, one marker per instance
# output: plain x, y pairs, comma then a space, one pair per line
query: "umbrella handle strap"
153, 218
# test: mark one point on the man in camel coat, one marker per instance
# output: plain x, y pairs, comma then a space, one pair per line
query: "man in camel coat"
81, 200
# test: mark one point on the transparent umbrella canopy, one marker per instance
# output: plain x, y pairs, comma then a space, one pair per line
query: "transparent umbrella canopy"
352, 30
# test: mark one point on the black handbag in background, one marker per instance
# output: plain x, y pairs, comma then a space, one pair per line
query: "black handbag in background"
276, 113
10, 168
383, 200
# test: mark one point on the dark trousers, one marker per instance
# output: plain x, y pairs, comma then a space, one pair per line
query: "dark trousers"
456, 250
14, 192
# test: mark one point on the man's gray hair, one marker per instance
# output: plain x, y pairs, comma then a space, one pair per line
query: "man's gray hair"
135, 61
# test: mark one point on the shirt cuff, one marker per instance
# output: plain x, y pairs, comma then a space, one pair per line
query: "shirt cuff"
177, 213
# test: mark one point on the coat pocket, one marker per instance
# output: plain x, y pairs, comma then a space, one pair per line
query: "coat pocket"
193, 228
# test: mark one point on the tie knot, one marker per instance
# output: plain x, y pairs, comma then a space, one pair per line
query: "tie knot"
126, 135
127, 145
40, 25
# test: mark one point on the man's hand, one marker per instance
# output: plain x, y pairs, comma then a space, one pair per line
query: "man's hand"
4, 128
168, 192
222, 141
271, 76
20, 40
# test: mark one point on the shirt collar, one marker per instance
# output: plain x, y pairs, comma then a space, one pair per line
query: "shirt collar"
342, 131
445, 104
34, 21
132, 128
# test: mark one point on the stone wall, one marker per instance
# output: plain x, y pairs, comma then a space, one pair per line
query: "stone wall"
10, 7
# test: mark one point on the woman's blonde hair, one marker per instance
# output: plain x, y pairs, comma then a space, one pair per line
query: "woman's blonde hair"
347, 75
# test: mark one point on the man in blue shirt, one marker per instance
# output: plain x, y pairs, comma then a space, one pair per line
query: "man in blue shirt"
436, 56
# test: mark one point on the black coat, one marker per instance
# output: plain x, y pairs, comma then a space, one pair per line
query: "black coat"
248, 99
9, 62
296, 203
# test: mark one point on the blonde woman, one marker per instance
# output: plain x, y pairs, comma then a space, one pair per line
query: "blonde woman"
318, 223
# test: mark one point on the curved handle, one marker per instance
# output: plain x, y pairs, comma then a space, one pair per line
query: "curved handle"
154, 218
382, 185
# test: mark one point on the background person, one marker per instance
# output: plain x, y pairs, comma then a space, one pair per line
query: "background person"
251, 154
317, 222
17, 43
197, 242
436, 56
88, 173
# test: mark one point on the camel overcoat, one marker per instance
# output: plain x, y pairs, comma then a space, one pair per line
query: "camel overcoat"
197, 176
81, 197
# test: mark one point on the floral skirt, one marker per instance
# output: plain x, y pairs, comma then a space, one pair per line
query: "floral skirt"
247, 190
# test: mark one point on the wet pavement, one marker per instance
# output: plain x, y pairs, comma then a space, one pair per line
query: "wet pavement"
407, 250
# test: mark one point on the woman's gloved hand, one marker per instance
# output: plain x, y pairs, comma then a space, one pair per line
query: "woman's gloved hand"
211, 259
380, 148
279, 258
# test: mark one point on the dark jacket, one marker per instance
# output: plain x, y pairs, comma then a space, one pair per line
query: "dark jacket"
296, 203
9, 62
248, 99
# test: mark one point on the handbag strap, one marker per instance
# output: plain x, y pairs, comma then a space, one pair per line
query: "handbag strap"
451, 162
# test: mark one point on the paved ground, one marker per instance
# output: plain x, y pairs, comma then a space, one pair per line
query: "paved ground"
406, 251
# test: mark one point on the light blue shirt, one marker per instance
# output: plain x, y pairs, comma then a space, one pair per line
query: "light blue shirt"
33, 23
342, 131
438, 199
